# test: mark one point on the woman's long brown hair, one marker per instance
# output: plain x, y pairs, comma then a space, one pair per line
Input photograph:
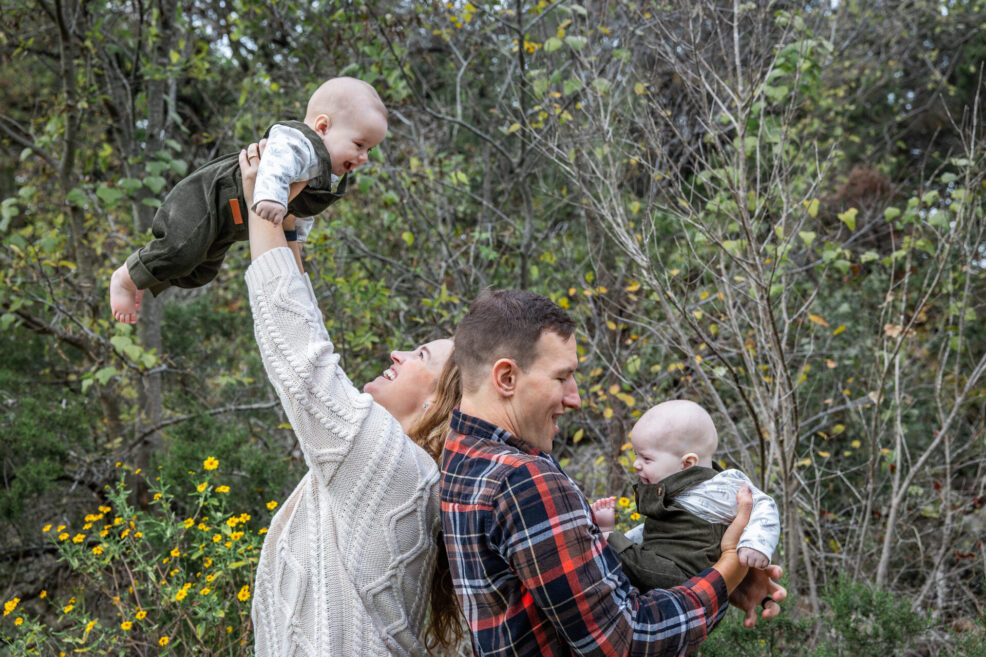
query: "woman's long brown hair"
445, 627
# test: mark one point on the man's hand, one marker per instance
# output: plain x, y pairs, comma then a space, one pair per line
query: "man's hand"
752, 558
272, 211
604, 511
758, 586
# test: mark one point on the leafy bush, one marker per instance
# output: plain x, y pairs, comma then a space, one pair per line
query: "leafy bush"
157, 582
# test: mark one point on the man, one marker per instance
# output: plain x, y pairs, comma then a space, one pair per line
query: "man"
532, 571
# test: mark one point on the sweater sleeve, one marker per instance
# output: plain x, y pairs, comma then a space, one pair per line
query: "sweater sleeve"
715, 501
288, 158
325, 410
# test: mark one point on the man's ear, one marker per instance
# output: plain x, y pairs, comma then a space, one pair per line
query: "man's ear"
504, 376
321, 123
688, 460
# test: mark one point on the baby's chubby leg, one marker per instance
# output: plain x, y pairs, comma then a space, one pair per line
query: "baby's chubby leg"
125, 298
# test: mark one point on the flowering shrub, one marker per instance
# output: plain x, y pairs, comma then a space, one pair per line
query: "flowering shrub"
158, 582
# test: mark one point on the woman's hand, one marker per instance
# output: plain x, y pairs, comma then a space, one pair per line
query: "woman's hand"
249, 165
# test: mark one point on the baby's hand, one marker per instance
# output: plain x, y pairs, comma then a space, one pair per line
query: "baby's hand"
272, 211
605, 512
752, 558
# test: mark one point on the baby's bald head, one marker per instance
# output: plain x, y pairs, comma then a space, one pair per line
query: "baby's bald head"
678, 427
343, 98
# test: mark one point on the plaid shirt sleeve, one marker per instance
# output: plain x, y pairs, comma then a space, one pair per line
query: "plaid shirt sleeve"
541, 525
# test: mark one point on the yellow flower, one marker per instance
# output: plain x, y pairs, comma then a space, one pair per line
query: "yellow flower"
216, 538
63, 536
210, 463
46, 528
60, 528
635, 516
104, 533
18, 620
117, 520
624, 502
244, 593
202, 527
207, 562
141, 614
126, 625
228, 544
163, 641
91, 624
187, 523
137, 471
67, 608
138, 534
201, 487
222, 489
98, 549
78, 538
176, 553
233, 521
10, 605
236, 536
205, 591
44, 594
157, 496
105, 509
126, 532
180, 595
244, 517
262, 530
272, 505
229, 629
210, 577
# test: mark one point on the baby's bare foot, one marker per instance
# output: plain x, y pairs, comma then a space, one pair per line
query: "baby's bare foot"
125, 298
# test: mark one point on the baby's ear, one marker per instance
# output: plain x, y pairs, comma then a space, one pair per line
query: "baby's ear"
322, 123
688, 460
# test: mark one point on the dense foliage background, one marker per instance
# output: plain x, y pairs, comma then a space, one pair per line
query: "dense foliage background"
772, 208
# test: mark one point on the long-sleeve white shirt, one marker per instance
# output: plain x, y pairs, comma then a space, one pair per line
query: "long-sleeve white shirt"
288, 158
347, 563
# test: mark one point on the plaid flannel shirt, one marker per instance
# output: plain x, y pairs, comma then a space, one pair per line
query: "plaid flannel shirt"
531, 569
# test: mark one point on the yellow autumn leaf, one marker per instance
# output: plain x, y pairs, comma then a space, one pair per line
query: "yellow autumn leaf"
839, 330
818, 319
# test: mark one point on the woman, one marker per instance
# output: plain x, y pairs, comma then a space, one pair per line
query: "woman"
350, 557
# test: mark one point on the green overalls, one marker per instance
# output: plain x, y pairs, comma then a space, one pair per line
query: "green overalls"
677, 545
206, 212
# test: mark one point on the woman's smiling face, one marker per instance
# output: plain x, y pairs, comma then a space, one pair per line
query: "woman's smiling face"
405, 386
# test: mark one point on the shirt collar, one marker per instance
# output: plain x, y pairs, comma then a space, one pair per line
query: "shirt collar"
468, 425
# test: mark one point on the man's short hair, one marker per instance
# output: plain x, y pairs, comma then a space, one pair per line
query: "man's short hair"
505, 324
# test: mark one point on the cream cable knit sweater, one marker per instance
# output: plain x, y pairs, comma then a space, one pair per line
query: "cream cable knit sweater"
347, 563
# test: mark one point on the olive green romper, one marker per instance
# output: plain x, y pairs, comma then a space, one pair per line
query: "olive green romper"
206, 213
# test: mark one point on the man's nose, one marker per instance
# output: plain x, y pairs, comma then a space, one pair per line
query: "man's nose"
398, 356
572, 399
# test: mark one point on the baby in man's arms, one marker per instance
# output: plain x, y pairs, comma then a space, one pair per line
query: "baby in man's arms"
687, 500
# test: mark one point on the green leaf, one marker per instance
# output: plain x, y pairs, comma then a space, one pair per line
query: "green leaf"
77, 197
931, 197
868, 256
891, 213
552, 44
849, 218
949, 177
575, 43
155, 183
408, 237
129, 185
109, 195
813, 208
621, 55
807, 237
6, 320
601, 85
776, 94
105, 374
571, 85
